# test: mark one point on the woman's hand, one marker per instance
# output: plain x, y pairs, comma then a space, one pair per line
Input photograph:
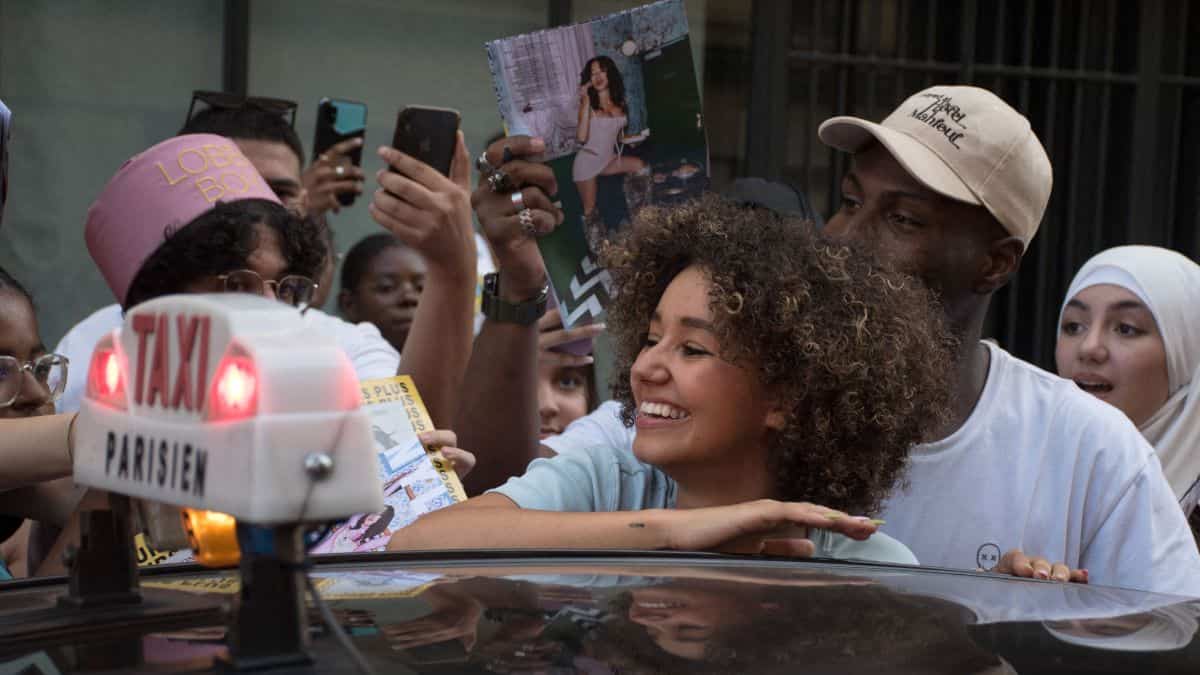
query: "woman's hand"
1017, 564
445, 441
765, 527
428, 211
584, 94
552, 334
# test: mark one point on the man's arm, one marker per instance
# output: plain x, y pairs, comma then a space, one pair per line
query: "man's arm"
432, 214
498, 415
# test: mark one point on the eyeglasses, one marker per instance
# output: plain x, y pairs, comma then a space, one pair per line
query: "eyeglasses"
226, 101
294, 290
49, 371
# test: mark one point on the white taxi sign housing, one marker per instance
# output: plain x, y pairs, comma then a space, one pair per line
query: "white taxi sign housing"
216, 402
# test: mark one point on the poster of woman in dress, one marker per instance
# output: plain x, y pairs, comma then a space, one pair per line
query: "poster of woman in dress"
616, 101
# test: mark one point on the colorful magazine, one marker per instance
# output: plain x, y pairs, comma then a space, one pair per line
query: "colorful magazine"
617, 103
415, 482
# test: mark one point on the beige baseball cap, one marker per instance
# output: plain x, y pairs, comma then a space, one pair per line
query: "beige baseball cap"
965, 143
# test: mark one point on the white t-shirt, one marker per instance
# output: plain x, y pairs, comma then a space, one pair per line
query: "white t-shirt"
1038, 466
370, 354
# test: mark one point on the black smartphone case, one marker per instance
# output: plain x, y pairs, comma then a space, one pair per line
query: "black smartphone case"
429, 134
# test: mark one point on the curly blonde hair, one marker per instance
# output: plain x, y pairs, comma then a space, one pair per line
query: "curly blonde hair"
859, 356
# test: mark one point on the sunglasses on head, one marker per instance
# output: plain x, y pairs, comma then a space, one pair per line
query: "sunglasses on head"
226, 101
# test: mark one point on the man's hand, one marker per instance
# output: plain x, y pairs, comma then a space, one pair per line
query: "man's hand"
323, 182
428, 211
522, 273
765, 527
1018, 564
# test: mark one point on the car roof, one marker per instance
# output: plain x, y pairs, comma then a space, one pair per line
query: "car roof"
608, 612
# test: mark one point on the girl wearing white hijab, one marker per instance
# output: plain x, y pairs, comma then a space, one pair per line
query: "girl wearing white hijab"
1129, 333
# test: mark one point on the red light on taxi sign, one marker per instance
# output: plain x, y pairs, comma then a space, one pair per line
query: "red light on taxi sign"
235, 389
106, 382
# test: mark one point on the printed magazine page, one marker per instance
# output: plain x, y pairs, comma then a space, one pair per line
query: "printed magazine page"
415, 482
617, 103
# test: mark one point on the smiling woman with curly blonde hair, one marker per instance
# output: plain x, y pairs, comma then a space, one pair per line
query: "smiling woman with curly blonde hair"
777, 382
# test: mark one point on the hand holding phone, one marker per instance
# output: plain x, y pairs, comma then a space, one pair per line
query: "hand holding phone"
428, 134
335, 176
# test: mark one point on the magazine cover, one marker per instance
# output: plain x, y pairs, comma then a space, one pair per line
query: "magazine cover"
617, 103
415, 482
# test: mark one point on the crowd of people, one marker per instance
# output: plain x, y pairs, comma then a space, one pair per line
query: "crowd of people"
781, 385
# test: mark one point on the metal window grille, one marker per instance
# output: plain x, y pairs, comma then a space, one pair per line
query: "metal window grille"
1112, 89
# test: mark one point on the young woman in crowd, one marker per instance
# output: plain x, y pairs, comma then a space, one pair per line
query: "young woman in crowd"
1129, 334
566, 388
765, 368
382, 279
603, 116
30, 381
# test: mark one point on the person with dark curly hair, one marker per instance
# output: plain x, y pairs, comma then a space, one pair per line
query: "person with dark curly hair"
767, 371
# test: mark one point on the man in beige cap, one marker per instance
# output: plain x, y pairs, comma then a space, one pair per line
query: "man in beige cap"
951, 187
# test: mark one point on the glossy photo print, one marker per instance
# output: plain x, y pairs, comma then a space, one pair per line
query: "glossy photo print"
616, 101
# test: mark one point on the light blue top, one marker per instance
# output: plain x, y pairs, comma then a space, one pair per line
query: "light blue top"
602, 479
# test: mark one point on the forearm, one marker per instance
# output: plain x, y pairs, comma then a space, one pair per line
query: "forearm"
34, 449
498, 415
492, 527
439, 343
50, 502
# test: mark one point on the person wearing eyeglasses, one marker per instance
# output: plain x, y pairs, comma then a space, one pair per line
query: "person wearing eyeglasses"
35, 492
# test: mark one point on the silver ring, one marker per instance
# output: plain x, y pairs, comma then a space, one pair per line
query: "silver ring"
518, 200
525, 217
483, 165
339, 171
498, 180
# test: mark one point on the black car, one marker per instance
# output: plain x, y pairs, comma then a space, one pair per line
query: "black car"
619, 612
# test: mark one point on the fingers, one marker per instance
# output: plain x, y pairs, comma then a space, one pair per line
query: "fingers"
520, 173
813, 515
1017, 564
564, 359
397, 188
543, 223
789, 548
321, 173
342, 148
462, 461
410, 168
561, 336
536, 200
396, 216
460, 164
438, 438
518, 146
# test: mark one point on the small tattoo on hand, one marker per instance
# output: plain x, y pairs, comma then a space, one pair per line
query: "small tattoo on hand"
637, 525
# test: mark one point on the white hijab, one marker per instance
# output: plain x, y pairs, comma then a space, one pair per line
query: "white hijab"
1169, 285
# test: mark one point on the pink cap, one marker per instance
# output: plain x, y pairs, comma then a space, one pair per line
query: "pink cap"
161, 189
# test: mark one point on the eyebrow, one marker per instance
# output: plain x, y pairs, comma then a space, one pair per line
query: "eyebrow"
852, 177
689, 321
1123, 304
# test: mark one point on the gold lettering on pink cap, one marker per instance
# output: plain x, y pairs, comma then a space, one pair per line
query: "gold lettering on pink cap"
197, 152
210, 188
235, 182
170, 181
219, 155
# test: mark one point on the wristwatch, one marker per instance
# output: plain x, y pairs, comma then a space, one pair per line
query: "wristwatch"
525, 313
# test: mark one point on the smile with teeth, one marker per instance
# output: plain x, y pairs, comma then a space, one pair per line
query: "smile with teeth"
664, 410
1094, 387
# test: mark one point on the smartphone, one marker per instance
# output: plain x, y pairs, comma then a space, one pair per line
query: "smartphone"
429, 134
339, 120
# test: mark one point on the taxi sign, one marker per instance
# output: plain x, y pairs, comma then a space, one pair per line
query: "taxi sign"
222, 402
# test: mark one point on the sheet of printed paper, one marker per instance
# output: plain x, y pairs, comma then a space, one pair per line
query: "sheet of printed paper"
616, 101
415, 482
